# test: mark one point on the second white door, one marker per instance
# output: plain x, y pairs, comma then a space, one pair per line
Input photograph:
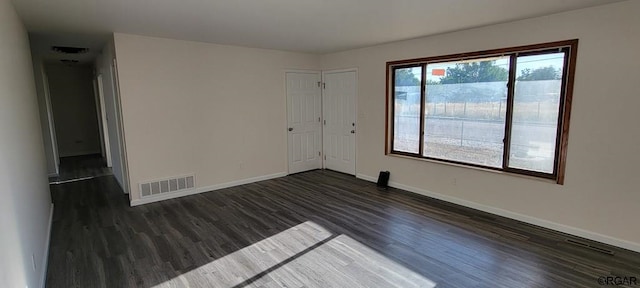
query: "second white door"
339, 111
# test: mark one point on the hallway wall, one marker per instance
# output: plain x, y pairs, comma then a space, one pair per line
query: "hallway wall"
105, 67
46, 117
25, 202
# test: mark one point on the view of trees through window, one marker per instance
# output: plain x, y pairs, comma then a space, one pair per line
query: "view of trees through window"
464, 110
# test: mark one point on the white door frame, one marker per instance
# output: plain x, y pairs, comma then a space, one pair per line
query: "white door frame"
120, 126
96, 100
104, 120
286, 120
52, 126
355, 107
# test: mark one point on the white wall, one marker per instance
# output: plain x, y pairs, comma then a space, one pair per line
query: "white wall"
213, 110
600, 197
24, 192
46, 116
74, 109
105, 67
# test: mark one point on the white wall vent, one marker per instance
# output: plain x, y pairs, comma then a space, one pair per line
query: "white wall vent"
170, 185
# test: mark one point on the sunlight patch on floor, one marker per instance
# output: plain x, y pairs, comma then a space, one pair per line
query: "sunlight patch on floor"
306, 255
342, 262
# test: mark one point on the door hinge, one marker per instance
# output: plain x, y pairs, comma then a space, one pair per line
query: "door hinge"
325, 122
319, 154
324, 85
319, 84
318, 119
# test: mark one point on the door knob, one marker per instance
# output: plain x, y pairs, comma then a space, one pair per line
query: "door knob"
353, 131
290, 129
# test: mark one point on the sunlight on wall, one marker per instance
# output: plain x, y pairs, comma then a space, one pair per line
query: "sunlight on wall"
305, 255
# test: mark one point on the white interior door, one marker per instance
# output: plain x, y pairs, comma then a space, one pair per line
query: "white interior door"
339, 113
303, 118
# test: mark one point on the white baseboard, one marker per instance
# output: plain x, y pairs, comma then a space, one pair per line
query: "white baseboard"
45, 257
199, 190
517, 216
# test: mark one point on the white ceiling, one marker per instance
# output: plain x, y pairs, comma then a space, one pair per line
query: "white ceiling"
41, 46
315, 26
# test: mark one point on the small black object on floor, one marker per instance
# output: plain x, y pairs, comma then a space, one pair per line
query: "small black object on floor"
383, 179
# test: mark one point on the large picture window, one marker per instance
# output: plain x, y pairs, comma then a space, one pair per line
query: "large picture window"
505, 109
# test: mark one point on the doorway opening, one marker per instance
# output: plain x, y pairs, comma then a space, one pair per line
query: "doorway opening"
77, 119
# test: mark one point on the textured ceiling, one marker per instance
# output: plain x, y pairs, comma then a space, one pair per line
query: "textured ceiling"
315, 26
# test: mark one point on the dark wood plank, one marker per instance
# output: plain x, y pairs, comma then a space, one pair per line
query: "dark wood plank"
79, 167
99, 241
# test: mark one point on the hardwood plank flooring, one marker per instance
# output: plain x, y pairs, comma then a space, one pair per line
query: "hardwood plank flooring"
80, 167
313, 229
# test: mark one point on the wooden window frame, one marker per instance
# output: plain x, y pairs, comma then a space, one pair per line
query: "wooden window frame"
564, 115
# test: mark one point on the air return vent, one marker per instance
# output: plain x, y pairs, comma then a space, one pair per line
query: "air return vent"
170, 185
589, 246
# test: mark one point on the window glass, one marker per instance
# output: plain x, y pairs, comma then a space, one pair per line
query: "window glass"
536, 105
407, 98
465, 111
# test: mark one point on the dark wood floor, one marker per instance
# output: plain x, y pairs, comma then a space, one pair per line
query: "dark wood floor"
80, 167
99, 241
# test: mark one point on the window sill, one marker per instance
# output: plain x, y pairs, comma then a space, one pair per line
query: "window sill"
540, 179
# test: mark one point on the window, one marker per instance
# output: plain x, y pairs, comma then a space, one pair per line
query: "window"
505, 109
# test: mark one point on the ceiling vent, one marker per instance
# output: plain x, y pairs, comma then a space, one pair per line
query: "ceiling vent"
69, 50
